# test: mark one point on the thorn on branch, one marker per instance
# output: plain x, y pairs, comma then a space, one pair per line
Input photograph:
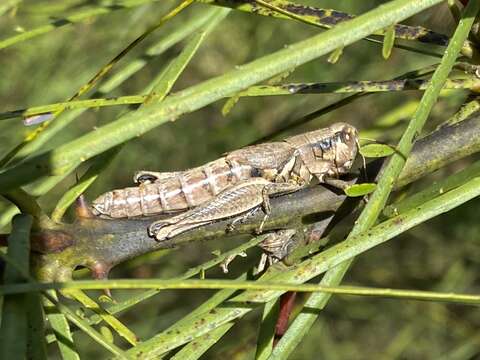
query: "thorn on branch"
82, 210
100, 271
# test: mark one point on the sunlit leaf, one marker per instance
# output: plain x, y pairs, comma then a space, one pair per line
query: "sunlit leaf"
388, 42
360, 189
376, 150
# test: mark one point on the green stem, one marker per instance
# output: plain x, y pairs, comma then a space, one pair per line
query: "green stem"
216, 284
437, 188
260, 90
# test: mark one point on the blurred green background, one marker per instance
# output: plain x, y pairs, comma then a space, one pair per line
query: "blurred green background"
441, 255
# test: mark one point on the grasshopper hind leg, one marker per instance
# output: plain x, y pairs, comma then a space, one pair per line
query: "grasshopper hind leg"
238, 200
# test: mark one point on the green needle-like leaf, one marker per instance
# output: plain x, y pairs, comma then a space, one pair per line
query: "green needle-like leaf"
14, 327
376, 150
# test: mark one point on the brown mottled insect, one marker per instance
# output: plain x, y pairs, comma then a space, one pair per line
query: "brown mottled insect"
269, 168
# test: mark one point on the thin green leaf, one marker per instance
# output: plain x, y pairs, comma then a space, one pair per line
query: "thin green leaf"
196, 348
266, 334
388, 42
335, 56
13, 330
164, 83
233, 100
367, 86
360, 189
376, 150
435, 189
87, 329
465, 111
111, 320
68, 20
62, 332
36, 345
28, 205
189, 27
261, 290
8, 5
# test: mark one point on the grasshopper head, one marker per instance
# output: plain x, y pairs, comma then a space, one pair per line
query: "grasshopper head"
344, 147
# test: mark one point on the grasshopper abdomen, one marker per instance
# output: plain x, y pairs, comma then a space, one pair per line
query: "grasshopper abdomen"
182, 191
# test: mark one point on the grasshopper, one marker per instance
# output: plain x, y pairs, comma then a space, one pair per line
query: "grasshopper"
236, 184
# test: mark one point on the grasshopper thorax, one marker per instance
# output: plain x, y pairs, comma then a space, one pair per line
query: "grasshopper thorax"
327, 152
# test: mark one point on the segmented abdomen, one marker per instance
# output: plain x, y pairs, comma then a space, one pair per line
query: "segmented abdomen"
186, 190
